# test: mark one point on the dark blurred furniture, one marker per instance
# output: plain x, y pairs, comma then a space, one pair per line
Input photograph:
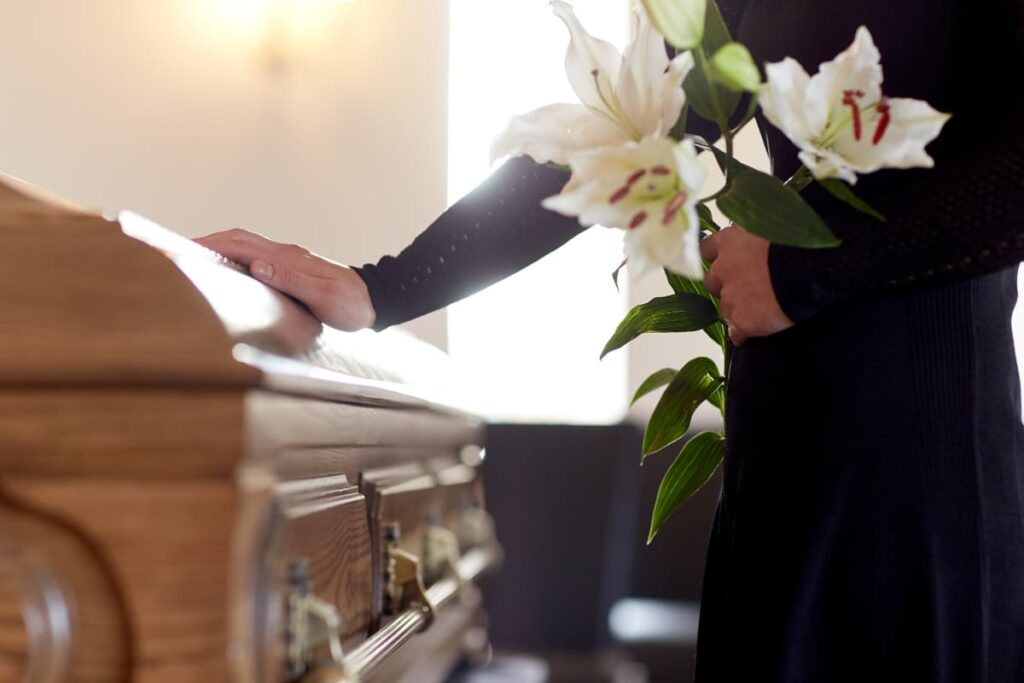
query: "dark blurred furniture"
572, 507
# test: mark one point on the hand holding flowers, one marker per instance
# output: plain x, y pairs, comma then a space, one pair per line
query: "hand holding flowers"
634, 168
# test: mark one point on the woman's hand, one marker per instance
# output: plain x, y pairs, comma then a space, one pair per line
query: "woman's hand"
332, 292
739, 277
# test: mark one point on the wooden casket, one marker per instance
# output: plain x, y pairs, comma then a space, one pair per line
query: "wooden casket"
199, 482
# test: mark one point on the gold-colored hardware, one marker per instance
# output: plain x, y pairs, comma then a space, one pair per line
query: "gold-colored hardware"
440, 553
330, 673
404, 587
313, 626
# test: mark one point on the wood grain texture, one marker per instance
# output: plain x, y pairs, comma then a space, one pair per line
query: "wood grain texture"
325, 522
89, 326
166, 546
14, 640
281, 422
81, 630
134, 432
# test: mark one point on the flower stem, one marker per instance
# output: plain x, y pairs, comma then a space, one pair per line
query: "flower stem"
801, 179
751, 111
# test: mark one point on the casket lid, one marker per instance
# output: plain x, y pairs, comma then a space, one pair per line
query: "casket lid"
88, 300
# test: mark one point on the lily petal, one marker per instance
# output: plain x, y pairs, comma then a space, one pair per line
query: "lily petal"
675, 247
857, 68
782, 98
673, 97
591, 64
913, 124
553, 132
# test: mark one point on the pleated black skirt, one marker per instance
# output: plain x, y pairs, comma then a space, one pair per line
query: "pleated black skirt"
871, 523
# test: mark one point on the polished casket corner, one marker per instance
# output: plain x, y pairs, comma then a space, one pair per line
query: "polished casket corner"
199, 481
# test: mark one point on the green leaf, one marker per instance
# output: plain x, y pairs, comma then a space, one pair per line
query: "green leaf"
684, 285
700, 91
678, 131
733, 67
681, 284
717, 399
698, 86
764, 206
674, 313
657, 379
680, 21
707, 219
844, 193
716, 32
692, 385
615, 275
692, 468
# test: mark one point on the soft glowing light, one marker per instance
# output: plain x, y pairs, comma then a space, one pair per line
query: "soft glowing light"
531, 343
282, 29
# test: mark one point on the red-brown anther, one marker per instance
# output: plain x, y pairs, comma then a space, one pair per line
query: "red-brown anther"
636, 176
660, 170
883, 123
848, 100
619, 194
672, 208
637, 220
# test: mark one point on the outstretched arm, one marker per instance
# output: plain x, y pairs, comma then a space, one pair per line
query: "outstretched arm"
497, 229
492, 232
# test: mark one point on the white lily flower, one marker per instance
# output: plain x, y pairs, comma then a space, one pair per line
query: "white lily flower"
840, 119
624, 96
648, 188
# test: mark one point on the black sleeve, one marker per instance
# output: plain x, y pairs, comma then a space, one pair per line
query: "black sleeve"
494, 231
497, 229
962, 219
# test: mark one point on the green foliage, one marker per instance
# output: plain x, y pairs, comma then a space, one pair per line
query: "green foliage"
707, 219
712, 101
684, 285
680, 21
656, 380
691, 469
673, 313
844, 193
733, 67
692, 385
717, 399
764, 206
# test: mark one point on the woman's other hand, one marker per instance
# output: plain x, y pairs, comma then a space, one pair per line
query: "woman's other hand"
334, 293
739, 277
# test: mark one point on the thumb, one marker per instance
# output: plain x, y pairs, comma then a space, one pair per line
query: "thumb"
262, 270
288, 280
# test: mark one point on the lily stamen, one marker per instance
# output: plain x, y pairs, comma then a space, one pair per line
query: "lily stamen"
635, 177
619, 194
611, 103
848, 100
883, 108
637, 220
672, 208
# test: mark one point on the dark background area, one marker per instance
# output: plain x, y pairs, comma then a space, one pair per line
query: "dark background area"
572, 507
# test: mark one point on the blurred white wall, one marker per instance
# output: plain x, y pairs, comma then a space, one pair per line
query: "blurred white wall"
173, 109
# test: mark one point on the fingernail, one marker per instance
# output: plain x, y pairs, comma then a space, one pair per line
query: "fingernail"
263, 271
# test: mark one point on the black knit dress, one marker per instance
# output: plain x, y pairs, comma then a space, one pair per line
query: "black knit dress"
871, 522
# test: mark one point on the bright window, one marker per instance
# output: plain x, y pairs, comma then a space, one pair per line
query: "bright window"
530, 344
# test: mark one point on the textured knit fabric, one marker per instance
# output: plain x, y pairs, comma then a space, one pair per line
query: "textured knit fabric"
494, 231
871, 523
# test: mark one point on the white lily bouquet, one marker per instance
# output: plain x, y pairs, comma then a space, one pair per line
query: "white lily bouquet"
633, 167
